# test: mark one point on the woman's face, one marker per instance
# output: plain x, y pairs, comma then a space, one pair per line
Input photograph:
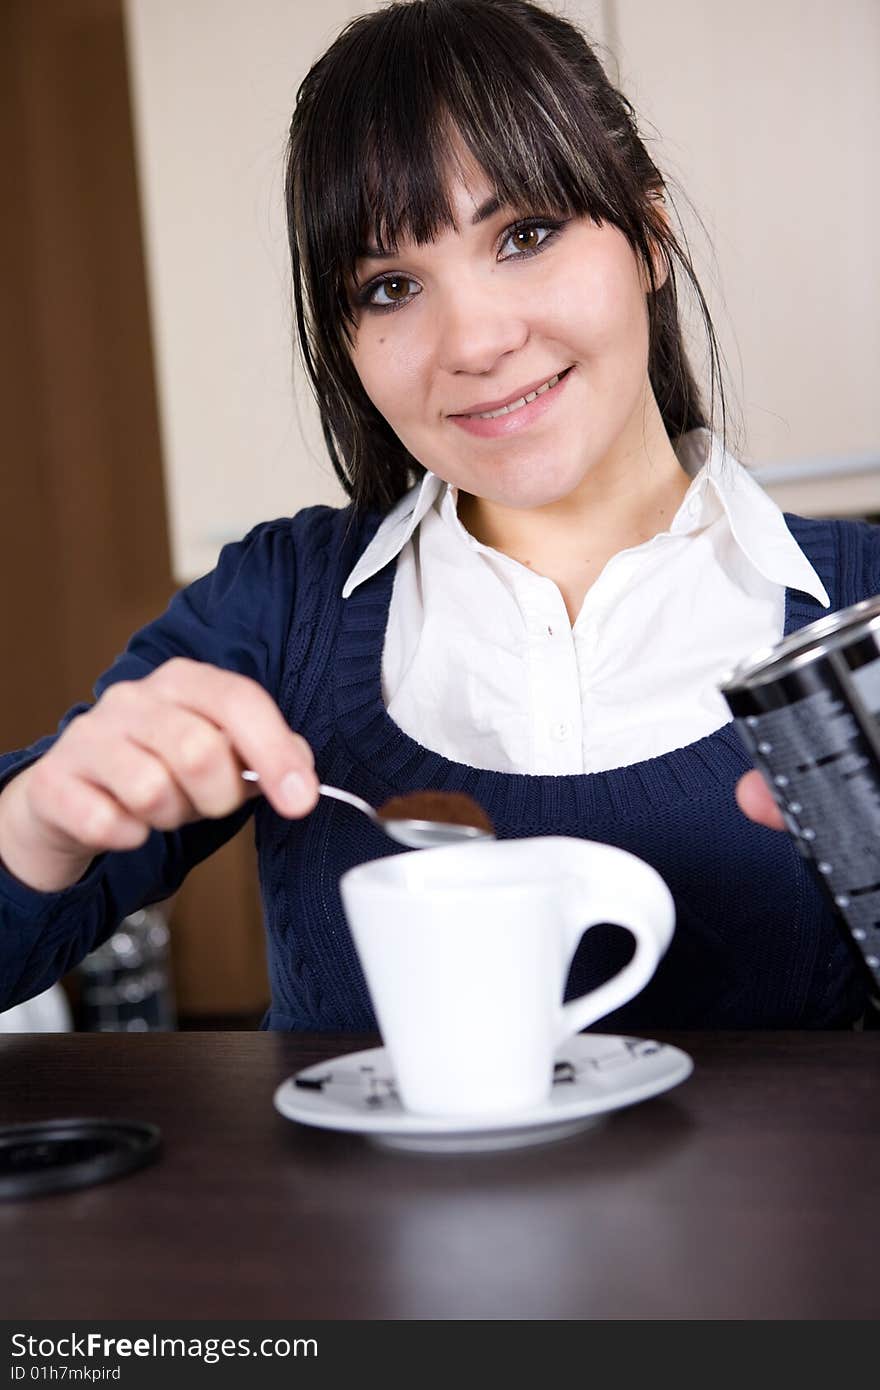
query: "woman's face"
486, 315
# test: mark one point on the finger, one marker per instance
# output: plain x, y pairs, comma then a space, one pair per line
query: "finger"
74, 810
755, 800
257, 731
199, 755
196, 753
142, 783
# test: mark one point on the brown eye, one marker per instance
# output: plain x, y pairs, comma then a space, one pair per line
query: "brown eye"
395, 289
528, 238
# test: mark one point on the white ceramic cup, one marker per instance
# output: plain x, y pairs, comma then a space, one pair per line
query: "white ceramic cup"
466, 951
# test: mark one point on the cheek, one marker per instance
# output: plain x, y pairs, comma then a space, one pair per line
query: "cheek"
387, 369
605, 311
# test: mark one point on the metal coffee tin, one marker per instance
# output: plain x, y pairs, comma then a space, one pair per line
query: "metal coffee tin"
808, 711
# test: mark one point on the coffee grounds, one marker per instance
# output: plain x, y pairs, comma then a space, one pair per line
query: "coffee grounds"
449, 808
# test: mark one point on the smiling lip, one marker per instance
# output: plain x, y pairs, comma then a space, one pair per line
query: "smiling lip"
506, 425
483, 407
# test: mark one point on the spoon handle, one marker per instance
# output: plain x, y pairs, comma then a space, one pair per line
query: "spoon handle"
352, 800
250, 776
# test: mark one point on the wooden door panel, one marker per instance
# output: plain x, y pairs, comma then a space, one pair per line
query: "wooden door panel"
85, 559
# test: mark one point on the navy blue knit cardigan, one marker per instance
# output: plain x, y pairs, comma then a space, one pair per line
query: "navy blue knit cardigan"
755, 944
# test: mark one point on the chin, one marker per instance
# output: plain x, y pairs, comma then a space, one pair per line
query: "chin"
535, 491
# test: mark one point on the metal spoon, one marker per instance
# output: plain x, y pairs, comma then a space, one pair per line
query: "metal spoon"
415, 834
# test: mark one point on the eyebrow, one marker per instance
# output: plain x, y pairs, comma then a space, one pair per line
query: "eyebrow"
482, 214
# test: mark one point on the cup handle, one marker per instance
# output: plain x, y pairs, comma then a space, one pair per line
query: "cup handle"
635, 897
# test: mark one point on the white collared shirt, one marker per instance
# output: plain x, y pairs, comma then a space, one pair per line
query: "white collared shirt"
482, 664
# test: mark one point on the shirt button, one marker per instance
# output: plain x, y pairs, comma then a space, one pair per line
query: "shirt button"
561, 730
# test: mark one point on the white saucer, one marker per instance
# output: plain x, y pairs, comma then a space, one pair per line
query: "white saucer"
594, 1073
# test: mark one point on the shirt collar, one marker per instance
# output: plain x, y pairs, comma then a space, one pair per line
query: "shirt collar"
756, 523
395, 530
718, 480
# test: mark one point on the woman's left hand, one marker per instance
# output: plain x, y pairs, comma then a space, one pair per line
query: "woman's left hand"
753, 796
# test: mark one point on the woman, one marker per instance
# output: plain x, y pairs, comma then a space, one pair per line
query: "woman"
549, 560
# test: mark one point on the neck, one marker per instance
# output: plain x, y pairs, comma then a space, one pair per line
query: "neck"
629, 496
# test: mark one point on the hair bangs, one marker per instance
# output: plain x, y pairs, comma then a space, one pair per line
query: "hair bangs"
448, 82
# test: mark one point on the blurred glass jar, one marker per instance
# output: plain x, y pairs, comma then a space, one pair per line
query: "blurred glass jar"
125, 985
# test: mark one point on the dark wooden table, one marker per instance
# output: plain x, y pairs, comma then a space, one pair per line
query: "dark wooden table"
750, 1191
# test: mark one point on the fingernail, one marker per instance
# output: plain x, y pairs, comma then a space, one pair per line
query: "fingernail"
294, 791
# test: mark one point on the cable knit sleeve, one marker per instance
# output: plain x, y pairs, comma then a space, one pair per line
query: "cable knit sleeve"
238, 618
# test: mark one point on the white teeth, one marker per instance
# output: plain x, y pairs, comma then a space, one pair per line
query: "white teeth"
517, 405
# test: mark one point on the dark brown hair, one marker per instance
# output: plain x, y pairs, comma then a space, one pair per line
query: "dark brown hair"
368, 160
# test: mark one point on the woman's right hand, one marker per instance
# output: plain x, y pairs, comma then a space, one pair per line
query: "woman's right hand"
151, 754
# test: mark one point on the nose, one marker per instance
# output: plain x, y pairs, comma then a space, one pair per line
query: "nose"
478, 323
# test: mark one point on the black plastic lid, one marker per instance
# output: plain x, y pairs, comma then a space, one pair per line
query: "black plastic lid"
58, 1155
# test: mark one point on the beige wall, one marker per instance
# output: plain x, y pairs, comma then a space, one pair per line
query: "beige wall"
214, 84
769, 116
